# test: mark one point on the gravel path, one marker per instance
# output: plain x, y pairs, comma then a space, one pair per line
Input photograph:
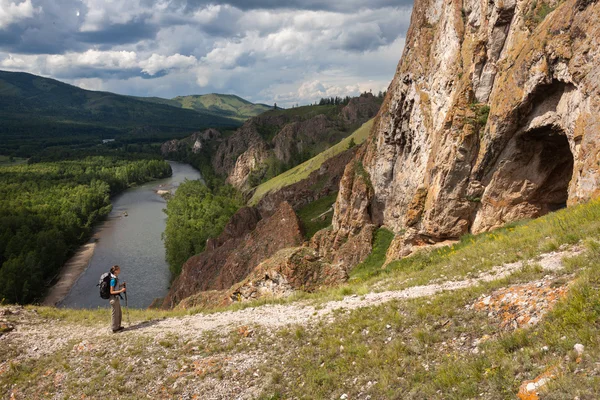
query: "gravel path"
44, 337
277, 316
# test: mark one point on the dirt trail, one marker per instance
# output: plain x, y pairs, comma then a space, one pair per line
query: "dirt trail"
276, 316
44, 338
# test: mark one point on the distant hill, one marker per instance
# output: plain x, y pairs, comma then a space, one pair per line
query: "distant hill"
37, 112
225, 105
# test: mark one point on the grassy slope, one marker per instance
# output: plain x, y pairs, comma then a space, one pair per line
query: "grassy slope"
303, 170
401, 349
317, 215
225, 105
22, 93
222, 104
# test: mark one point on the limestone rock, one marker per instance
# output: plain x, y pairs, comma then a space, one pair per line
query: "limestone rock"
195, 142
492, 116
286, 139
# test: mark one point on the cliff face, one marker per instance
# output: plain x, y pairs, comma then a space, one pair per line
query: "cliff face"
286, 138
493, 116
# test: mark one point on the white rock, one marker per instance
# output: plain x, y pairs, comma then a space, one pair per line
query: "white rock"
344, 396
579, 348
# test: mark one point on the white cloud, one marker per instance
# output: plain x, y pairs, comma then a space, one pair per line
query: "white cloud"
264, 54
157, 63
15, 11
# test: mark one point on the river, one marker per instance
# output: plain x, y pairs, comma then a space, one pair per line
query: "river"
131, 238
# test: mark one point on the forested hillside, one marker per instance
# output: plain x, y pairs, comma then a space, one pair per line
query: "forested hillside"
48, 209
38, 112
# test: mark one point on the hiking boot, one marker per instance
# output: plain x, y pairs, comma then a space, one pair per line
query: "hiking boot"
119, 329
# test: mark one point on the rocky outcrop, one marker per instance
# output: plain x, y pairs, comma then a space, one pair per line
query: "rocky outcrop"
225, 158
298, 137
288, 271
196, 142
320, 183
285, 273
349, 242
361, 108
246, 242
492, 116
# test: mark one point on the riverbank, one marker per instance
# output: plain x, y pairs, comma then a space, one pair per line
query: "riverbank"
70, 273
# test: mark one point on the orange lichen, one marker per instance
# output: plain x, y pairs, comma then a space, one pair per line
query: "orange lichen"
523, 305
244, 331
529, 390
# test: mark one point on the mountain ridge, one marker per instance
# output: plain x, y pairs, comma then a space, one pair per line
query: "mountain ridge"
45, 112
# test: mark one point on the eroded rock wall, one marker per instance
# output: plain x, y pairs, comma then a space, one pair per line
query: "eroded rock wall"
493, 116
246, 241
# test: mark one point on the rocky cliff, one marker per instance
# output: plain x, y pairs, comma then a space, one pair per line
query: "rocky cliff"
246, 241
492, 117
196, 142
268, 144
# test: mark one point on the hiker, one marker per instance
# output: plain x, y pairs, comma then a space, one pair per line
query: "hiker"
115, 296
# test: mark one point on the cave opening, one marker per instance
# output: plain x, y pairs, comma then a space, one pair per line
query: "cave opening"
546, 168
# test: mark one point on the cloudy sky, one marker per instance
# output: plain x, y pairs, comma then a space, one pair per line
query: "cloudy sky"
289, 52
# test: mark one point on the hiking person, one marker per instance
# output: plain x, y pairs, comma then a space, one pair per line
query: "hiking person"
115, 296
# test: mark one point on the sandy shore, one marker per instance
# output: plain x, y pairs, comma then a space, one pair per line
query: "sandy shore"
70, 273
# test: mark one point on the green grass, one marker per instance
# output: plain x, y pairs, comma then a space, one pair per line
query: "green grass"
372, 265
313, 215
99, 316
303, 170
401, 349
222, 104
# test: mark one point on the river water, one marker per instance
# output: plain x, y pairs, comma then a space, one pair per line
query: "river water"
131, 238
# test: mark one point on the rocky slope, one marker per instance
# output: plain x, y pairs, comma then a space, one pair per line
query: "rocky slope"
492, 117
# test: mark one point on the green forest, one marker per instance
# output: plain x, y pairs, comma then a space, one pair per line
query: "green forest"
195, 214
48, 209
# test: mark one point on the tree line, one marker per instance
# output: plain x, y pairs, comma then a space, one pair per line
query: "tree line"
48, 209
336, 101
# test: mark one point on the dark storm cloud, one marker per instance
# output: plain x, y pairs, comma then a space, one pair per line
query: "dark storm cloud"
48, 30
118, 34
55, 29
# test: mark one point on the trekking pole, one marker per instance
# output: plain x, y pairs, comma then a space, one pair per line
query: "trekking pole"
126, 306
